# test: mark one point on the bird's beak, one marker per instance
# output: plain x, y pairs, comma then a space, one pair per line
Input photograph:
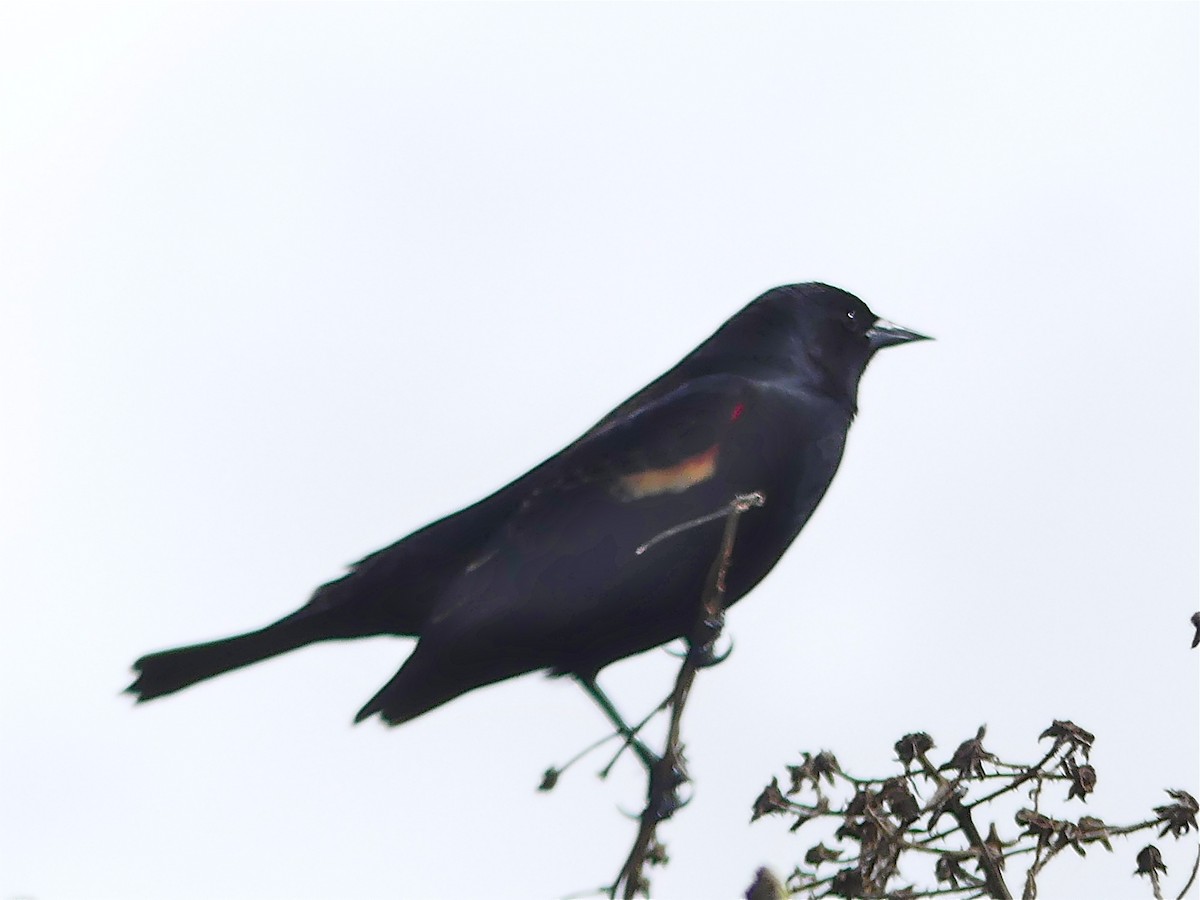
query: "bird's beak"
885, 334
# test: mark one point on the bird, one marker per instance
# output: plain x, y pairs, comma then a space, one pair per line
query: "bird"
602, 551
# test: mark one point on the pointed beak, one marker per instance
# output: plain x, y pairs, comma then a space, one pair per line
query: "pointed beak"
886, 334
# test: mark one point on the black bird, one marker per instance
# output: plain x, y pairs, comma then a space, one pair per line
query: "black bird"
546, 574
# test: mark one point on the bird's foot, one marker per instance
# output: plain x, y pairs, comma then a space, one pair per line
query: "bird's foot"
702, 646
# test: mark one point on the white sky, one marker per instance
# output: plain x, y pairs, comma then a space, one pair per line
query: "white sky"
282, 283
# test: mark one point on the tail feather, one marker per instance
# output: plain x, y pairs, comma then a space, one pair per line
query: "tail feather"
418, 687
404, 698
172, 670
430, 678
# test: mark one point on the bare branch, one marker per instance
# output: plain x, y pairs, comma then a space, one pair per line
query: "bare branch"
669, 774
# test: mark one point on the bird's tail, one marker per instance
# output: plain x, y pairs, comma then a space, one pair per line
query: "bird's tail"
172, 670
430, 678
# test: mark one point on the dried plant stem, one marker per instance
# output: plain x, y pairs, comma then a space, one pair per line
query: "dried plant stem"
961, 814
669, 774
1038, 770
1195, 868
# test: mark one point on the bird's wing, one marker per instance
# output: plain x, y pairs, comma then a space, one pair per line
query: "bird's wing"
664, 438
663, 446
658, 466
561, 579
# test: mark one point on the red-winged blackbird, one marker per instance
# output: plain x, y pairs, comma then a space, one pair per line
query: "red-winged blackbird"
546, 574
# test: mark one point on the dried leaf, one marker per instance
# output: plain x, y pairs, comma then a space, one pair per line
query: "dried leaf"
1068, 836
864, 800
970, 756
771, 800
820, 853
912, 745
1150, 862
1178, 817
824, 764
1091, 829
949, 869
1067, 732
900, 800
1040, 826
1083, 779
846, 883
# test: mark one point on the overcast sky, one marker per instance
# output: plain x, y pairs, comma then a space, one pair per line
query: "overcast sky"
282, 283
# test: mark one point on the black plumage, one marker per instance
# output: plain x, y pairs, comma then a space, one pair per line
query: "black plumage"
545, 573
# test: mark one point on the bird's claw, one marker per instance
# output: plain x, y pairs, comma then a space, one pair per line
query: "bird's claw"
706, 656
665, 781
702, 643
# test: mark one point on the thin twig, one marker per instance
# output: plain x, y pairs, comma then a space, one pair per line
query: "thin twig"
732, 507
633, 733
1034, 771
668, 774
1195, 865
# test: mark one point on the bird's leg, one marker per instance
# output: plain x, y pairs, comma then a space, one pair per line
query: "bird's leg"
648, 757
667, 773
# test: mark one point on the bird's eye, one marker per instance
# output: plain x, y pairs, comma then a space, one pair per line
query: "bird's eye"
856, 321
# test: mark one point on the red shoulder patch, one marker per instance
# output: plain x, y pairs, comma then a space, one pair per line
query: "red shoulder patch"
671, 479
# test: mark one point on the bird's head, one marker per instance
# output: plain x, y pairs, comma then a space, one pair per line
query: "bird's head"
822, 334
